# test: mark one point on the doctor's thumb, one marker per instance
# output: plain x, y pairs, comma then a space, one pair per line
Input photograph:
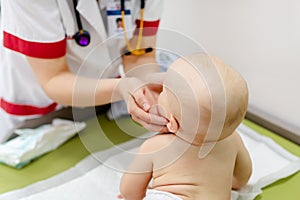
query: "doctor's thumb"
141, 100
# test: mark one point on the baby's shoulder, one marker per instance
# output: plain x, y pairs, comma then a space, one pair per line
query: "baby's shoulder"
158, 140
234, 141
234, 137
161, 138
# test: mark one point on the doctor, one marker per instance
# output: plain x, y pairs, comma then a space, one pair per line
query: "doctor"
41, 60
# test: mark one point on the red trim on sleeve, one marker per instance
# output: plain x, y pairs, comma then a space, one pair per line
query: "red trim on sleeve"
150, 27
35, 49
24, 110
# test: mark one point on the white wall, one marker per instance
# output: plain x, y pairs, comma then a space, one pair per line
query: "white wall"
259, 38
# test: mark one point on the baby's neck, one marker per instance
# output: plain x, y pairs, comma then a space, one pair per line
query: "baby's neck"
198, 139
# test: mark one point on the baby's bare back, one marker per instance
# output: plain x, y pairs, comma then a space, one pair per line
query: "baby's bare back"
190, 177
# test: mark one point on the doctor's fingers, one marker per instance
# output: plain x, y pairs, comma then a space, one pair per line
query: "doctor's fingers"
140, 115
155, 128
149, 126
140, 98
147, 98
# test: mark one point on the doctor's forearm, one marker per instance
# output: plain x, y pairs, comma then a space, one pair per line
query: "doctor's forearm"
67, 89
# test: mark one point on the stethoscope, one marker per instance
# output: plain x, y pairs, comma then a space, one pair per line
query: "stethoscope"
83, 38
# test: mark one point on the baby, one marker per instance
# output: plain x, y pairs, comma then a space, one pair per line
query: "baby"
202, 157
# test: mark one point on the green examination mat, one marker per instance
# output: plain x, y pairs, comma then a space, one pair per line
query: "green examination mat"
71, 152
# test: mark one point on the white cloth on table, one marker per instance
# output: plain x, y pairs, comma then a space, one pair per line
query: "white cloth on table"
32, 143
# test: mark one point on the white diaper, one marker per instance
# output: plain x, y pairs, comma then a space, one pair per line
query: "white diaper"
160, 195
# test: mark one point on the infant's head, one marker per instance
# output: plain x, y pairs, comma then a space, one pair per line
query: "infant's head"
203, 98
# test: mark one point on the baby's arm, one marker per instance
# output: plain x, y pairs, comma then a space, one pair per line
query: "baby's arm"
243, 166
134, 183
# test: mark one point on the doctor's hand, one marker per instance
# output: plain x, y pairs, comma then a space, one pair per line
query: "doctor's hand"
140, 97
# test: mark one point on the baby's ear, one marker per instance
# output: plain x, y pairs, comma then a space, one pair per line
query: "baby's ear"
173, 125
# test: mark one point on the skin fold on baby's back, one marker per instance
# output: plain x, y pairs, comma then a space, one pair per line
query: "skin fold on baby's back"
190, 177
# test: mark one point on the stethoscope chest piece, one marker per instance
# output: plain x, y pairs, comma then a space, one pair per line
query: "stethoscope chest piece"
82, 38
